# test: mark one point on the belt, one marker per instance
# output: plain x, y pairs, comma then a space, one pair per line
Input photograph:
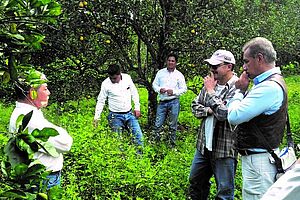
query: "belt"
167, 100
249, 152
121, 112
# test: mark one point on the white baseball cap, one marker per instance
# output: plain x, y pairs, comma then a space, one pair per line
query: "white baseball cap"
221, 56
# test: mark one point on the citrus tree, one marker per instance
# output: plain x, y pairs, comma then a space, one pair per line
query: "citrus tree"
21, 32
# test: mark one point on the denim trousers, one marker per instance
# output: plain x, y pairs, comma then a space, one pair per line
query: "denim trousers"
119, 122
203, 168
258, 175
171, 109
53, 179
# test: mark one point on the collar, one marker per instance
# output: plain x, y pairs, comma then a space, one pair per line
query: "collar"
25, 105
260, 78
169, 71
232, 80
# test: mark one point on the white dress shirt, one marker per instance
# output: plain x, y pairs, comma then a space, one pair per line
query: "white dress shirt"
169, 80
61, 142
119, 96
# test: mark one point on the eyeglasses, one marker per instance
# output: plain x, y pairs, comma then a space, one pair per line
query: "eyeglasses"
214, 67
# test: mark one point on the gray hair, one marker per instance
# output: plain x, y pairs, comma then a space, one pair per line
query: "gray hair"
261, 45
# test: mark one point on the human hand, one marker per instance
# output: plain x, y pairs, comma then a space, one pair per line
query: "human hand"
163, 90
210, 82
243, 82
170, 92
95, 123
137, 113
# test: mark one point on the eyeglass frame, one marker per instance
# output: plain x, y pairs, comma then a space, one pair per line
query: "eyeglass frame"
215, 67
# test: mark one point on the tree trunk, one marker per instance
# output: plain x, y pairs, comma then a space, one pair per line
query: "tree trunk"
152, 104
12, 67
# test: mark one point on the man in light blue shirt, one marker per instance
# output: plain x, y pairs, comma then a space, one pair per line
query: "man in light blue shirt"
169, 83
260, 112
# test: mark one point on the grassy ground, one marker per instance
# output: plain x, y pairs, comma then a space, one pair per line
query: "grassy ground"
102, 165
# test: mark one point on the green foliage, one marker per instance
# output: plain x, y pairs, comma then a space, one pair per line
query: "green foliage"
104, 165
23, 177
21, 32
291, 69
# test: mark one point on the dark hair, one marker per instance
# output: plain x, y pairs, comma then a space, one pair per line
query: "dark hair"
173, 55
113, 69
22, 89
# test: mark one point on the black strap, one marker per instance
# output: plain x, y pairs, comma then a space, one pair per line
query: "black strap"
289, 138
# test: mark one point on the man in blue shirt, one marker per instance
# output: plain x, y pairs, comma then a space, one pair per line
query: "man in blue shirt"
169, 83
260, 112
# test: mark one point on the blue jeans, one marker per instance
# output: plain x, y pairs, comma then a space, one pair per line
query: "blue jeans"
119, 122
53, 179
169, 108
203, 168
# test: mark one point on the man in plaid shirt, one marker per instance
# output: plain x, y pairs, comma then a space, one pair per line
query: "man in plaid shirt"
215, 153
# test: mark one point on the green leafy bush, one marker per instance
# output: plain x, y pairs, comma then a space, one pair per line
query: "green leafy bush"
23, 176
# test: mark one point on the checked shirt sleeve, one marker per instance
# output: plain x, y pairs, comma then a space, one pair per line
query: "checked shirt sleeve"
198, 108
219, 103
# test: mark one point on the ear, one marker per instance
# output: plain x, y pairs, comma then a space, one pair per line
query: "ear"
260, 57
33, 93
230, 67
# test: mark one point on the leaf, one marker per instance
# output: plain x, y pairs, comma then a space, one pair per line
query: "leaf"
26, 119
35, 169
44, 134
54, 9
20, 169
44, 2
5, 77
34, 146
49, 148
27, 138
43, 195
15, 156
19, 121
55, 192
4, 167
24, 147
14, 194
16, 36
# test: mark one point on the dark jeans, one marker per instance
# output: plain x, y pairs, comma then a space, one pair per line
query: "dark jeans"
171, 109
203, 168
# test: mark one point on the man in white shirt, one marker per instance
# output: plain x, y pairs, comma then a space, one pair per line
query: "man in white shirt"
33, 94
119, 90
169, 83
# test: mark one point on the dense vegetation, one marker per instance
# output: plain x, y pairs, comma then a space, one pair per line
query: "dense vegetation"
102, 165
73, 41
